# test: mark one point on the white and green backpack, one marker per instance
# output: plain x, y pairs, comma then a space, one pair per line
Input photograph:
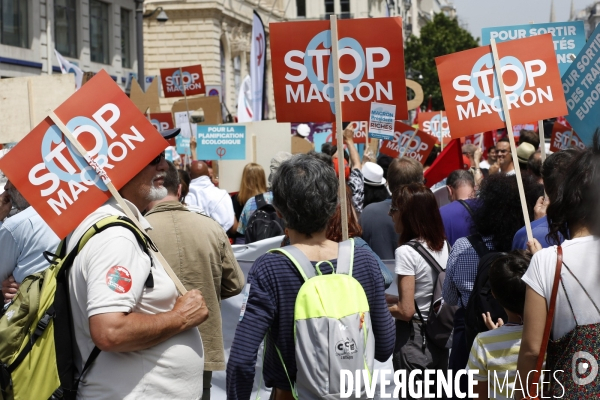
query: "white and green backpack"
332, 326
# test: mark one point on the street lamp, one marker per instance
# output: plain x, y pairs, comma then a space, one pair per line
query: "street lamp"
139, 22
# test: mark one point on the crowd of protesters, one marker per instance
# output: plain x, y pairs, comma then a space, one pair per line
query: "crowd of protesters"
478, 240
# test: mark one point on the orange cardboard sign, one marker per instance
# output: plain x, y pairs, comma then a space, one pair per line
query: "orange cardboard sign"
563, 138
419, 147
430, 122
192, 79
361, 131
531, 80
371, 68
162, 122
56, 180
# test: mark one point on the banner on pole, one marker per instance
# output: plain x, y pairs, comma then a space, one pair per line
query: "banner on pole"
173, 82
381, 121
221, 142
568, 38
531, 81
56, 180
258, 67
563, 138
418, 148
432, 122
371, 68
582, 89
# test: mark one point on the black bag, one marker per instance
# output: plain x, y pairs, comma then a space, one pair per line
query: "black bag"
440, 321
264, 223
482, 300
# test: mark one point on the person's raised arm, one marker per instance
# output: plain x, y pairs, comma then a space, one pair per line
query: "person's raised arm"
349, 141
122, 332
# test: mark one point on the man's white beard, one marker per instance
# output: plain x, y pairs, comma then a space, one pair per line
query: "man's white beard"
157, 193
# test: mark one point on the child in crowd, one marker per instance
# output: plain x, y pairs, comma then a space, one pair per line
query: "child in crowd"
495, 352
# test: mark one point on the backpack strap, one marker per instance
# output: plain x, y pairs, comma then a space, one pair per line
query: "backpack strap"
260, 201
300, 261
345, 259
418, 247
468, 207
478, 244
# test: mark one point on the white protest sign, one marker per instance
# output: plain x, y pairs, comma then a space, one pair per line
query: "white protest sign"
381, 121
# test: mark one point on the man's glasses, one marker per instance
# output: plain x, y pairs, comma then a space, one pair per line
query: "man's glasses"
158, 159
501, 151
392, 211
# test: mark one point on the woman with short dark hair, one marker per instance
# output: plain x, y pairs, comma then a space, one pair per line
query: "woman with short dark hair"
305, 194
418, 221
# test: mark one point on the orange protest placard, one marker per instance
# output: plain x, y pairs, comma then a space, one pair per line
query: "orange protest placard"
419, 147
56, 180
531, 81
563, 138
162, 122
371, 68
192, 79
361, 130
429, 122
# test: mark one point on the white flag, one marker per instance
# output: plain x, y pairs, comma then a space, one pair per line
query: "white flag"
244, 108
258, 55
66, 67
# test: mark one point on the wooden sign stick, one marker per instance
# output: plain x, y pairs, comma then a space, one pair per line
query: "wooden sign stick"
511, 137
338, 124
405, 148
441, 132
189, 115
102, 174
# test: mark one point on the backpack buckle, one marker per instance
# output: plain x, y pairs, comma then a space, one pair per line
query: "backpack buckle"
43, 324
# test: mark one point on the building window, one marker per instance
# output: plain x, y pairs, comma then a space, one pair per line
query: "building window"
329, 7
345, 6
301, 8
125, 38
65, 27
237, 73
14, 30
99, 32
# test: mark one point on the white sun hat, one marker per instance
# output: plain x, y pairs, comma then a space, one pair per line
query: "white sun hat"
373, 174
303, 130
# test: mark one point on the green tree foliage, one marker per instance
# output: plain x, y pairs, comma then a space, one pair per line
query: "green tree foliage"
439, 37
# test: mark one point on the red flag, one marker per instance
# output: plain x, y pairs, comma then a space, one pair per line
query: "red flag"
447, 161
416, 120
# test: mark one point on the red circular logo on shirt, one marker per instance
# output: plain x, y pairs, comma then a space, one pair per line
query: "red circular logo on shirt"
118, 279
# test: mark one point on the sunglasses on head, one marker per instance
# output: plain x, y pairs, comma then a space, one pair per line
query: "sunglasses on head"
158, 159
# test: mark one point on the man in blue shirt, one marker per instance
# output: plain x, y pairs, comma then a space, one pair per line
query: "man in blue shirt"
23, 239
553, 171
456, 216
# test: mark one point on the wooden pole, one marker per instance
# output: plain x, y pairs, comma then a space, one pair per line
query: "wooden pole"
338, 124
511, 137
542, 139
102, 174
254, 148
30, 102
405, 148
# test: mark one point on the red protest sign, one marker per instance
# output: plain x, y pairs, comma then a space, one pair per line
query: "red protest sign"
56, 180
430, 122
419, 147
563, 138
531, 81
361, 131
371, 68
192, 79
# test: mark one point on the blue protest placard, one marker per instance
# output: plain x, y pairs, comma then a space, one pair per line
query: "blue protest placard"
381, 121
319, 139
568, 38
221, 142
182, 144
582, 89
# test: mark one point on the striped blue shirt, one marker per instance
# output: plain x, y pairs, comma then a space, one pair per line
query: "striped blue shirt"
274, 283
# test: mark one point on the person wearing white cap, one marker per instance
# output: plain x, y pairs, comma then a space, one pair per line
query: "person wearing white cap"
375, 184
303, 130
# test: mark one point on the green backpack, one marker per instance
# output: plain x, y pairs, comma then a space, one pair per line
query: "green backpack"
332, 326
36, 330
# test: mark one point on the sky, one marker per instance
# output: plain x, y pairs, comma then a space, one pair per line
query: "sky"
477, 14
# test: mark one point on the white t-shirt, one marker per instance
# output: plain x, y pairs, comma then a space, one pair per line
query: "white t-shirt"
409, 262
582, 256
484, 164
108, 276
